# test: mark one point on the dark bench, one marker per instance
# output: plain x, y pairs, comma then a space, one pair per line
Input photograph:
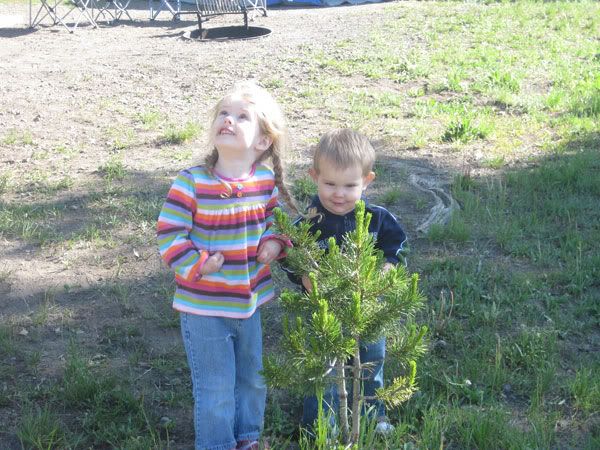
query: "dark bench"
207, 9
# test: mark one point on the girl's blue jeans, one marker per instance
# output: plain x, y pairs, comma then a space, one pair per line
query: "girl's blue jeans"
373, 353
225, 359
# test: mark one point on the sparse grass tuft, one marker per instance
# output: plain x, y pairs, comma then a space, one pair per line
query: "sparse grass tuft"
149, 119
504, 80
303, 189
179, 135
120, 138
28, 222
586, 99
456, 230
5, 182
464, 129
530, 350
48, 304
113, 170
495, 162
16, 137
390, 197
273, 83
41, 429
7, 343
585, 390
107, 411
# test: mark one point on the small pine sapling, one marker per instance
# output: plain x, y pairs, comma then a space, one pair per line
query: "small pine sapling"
353, 300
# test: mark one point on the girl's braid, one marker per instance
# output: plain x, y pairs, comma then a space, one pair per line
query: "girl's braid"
278, 172
211, 159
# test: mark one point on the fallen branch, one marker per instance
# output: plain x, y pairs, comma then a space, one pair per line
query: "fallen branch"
444, 206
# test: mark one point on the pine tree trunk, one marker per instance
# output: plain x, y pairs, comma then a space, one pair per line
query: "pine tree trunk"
356, 394
343, 396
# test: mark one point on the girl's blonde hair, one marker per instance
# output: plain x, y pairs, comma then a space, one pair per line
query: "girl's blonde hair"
272, 124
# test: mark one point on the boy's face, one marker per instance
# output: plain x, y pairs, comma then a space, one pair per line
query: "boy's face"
340, 189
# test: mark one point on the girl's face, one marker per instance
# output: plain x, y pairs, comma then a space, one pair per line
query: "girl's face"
236, 130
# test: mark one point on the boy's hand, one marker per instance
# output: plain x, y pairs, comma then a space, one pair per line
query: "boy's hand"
387, 266
268, 251
212, 264
306, 283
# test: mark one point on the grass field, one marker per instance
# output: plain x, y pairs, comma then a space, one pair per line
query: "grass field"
506, 96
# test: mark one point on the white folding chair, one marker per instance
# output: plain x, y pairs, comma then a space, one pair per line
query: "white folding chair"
111, 10
172, 6
255, 7
68, 13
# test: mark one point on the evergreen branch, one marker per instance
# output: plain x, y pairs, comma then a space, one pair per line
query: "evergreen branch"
401, 388
306, 254
408, 345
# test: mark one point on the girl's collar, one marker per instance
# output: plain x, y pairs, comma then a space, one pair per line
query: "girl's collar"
224, 178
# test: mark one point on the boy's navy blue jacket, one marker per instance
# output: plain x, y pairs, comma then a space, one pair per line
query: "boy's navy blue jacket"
389, 236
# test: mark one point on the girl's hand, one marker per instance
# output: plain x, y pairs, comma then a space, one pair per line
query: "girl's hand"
212, 264
268, 251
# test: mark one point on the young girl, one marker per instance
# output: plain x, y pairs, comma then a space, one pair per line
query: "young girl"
213, 231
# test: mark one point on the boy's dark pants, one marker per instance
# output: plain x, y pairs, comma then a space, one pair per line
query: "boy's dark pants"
373, 353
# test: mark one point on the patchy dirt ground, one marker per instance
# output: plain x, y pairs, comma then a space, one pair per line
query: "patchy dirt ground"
70, 103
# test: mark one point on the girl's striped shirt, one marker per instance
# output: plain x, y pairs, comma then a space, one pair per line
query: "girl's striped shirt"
205, 213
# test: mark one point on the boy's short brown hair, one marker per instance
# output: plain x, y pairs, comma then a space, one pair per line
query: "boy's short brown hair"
345, 148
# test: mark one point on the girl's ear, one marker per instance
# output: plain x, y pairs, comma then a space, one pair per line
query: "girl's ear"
313, 174
263, 143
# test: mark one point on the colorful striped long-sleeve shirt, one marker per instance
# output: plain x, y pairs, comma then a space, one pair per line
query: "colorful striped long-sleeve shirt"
204, 214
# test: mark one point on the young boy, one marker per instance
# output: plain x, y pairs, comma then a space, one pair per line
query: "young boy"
343, 169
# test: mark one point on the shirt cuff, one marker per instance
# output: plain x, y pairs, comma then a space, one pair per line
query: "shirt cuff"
195, 274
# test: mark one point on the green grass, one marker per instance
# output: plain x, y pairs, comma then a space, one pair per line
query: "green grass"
43, 183
89, 409
273, 83
511, 280
518, 260
490, 63
45, 309
513, 314
28, 222
106, 212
